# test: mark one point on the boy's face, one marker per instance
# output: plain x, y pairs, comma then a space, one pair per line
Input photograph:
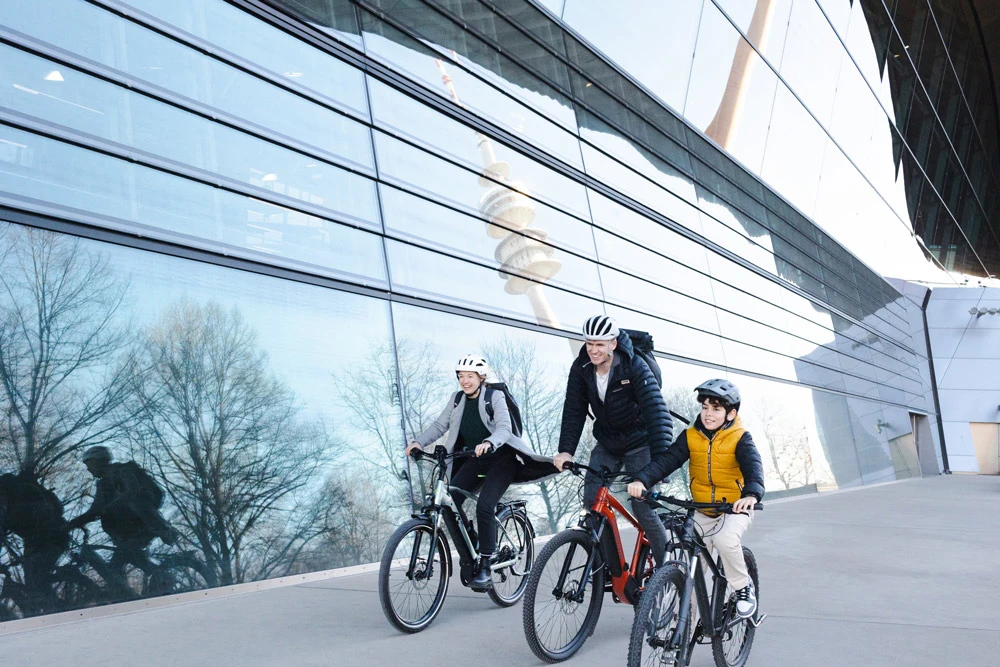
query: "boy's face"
714, 416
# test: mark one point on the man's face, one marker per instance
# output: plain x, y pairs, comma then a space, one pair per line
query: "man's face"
600, 351
469, 381
714, 416
96, 467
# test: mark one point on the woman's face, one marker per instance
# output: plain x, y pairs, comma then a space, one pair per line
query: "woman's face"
470, 381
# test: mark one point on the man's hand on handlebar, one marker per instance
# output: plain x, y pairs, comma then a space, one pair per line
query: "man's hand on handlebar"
636, 489
744, 505
561, 459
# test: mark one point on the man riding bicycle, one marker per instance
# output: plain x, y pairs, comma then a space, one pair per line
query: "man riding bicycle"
631, 420
127, 502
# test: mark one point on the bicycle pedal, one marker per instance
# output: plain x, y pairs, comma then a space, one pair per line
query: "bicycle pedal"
756, 621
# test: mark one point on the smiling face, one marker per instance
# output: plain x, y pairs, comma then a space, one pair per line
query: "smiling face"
470, 382
714, 415
600, 351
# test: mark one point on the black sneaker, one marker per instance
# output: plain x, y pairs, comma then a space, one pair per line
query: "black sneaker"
746, 601
483, 581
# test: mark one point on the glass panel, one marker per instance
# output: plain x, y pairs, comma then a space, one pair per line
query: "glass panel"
812, 59
224, 25
620, 288
43, 173
440, 133
438, 277
671, 338
508, 207
523, 252
636, 260
793, 134
163, 63
335, 17
203, 376
641, 37
101, 109
834, 425
767, 33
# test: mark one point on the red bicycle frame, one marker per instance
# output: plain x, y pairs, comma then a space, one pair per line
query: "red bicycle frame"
607, 506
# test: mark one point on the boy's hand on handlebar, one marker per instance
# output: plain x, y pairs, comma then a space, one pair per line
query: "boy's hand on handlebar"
484, 448
744, 505
636, 489
561, 459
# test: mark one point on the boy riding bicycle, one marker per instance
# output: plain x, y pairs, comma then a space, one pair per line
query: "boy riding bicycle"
725, 467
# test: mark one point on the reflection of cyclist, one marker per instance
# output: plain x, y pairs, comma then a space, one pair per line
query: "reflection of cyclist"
127, 502
35, 514
471, 424
725, 467
631, 420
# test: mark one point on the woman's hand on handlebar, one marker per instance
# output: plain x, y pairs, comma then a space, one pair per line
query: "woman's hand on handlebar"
744, 505
414, 447
484, 448
636, 489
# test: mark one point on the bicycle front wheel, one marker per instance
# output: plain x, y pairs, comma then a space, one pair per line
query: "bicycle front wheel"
561, 607
515, 542
411, 584
732, 647
654, 638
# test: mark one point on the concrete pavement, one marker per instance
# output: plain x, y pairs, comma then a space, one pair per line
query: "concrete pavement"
906, 574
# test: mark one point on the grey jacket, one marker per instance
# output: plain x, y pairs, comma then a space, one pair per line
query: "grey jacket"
450, 422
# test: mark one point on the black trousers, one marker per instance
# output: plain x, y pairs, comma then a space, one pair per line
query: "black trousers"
494, 473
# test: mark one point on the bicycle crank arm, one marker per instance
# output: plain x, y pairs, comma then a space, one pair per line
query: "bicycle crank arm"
756, 621
503, 564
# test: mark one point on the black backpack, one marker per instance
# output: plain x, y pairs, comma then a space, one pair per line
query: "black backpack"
516, 425
146, 482
642, 343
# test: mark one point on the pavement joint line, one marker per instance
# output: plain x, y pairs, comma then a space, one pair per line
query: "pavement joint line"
867, 622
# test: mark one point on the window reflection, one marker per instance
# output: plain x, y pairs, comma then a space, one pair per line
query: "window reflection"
42, 173
168, 65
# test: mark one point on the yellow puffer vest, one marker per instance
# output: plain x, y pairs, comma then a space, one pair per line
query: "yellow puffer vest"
715, 472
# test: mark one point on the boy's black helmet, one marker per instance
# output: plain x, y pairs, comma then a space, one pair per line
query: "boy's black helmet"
724, 390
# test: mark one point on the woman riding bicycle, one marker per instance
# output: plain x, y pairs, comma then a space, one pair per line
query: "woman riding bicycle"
477, 418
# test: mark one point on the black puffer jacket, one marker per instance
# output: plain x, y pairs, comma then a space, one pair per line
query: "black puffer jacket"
633, 413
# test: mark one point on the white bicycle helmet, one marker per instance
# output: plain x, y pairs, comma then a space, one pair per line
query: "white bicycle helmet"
473, 362
600, 327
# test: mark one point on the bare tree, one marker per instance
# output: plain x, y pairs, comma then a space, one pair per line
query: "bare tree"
61, 336
787, 443
226, 438
680, 400
385, 404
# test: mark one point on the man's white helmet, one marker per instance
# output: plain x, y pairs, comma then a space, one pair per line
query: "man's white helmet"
600, 327
475, 363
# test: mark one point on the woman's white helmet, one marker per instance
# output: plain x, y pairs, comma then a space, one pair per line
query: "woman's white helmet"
600, 327
475, 363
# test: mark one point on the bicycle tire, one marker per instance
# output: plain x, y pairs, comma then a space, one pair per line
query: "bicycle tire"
391, 560
650, 616
579, 542
743, 633
523, 542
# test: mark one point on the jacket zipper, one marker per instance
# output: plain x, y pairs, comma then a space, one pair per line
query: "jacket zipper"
710, 482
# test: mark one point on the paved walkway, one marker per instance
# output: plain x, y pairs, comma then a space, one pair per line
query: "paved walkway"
898, 575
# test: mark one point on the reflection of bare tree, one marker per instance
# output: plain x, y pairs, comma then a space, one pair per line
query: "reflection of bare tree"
682, 401
371, 391
787, 442
59, 336
226, 437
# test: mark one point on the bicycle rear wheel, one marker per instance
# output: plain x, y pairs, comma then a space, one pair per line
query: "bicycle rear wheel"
515, 541
412, 586
732, 648
558, 617
654, 627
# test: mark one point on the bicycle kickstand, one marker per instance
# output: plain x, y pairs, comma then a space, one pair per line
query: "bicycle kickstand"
756, 621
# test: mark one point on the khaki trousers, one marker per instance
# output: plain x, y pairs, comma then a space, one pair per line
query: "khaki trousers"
725, 534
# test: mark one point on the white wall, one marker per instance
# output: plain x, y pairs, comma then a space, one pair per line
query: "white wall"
966, 353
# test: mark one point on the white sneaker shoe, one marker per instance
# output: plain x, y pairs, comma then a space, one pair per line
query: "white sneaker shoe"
746, 601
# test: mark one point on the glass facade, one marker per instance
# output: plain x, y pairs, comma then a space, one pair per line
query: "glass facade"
241, 246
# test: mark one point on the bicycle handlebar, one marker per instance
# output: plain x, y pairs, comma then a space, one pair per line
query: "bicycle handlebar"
726, 508
441, 455
605, 474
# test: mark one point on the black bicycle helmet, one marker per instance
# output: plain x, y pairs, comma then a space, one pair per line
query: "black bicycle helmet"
723, 390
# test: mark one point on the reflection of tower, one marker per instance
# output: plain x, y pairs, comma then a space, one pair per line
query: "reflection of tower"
722, 129
509, 212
